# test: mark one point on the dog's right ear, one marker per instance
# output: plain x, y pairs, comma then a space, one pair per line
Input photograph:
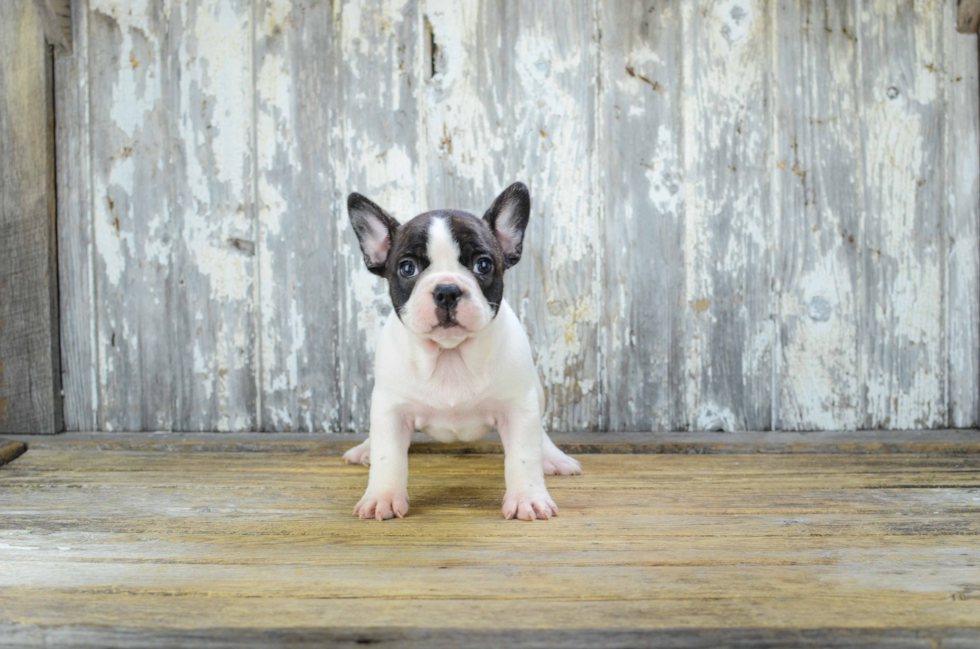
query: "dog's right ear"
375, 231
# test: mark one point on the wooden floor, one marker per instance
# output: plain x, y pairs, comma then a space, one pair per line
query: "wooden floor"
133, 543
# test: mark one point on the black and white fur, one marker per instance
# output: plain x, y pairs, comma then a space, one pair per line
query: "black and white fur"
453, 359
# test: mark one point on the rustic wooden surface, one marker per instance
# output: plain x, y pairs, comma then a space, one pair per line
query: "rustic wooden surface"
29, 376
930, 442
528, 112
726, 105
76, 236
131, 122
209, 48
644, 323
818, 172
962, 264
298, 134
112, 544
746, 214
901, 106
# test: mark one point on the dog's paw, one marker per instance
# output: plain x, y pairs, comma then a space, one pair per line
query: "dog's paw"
529, 506
557, 463
383, 505
360, 454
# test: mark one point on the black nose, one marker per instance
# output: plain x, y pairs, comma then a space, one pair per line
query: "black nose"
446, 295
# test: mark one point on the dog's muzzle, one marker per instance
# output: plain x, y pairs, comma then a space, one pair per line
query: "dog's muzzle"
446, 297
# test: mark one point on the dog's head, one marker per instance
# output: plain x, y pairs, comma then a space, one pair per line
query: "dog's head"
445, 269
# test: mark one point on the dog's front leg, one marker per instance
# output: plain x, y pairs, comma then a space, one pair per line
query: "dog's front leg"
387, 491
527, 496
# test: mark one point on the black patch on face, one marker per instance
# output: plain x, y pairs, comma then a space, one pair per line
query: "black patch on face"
410, 242
475, 240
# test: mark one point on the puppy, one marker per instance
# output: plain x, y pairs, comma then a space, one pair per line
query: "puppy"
453, 360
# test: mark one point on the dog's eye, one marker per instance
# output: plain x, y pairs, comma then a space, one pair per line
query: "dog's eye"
407, 268
483, 266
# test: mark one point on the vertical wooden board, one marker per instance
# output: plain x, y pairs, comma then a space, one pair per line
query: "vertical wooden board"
728, 214
901, 48
132, 187
962, 225
76, 261
513, 98
213, 220
641, 173
336, 113
818, 197
380, 86
29, 357
297, 148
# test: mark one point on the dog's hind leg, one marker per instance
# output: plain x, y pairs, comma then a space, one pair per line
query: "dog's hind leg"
556, 462
360, 454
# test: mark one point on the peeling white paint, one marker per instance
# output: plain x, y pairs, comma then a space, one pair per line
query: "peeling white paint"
528, 109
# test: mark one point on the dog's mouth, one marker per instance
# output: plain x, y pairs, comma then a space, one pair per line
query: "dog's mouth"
449, 323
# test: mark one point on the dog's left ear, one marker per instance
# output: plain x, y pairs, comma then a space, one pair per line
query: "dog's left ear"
375, 231
507, 218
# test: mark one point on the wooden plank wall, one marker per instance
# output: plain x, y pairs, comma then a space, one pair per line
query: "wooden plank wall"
30, 385
747, 214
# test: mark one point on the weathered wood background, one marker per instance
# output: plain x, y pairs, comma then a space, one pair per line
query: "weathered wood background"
747, 214
29, 368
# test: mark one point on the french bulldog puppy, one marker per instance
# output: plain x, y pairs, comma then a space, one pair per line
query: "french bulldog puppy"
453, 360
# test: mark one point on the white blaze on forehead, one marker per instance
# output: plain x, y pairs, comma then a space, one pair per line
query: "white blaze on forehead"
442, 249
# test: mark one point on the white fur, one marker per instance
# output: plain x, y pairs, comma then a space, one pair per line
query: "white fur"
458, 393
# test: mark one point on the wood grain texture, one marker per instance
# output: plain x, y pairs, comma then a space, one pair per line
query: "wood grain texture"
902, 243
212, 302
825, 638
381, 87
197, 544
29, 358
746, 214
131, 89
728, 215
337, 112
527, 113
76, 236
644, 322
298, 193
962, 261
921, 442
818, 189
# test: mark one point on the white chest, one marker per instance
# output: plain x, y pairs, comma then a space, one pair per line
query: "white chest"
453, 403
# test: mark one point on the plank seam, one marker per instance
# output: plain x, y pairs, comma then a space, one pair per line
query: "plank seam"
97, 392
945, 215
598, 195
256, 224
54, 276
862, 211
775, 208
